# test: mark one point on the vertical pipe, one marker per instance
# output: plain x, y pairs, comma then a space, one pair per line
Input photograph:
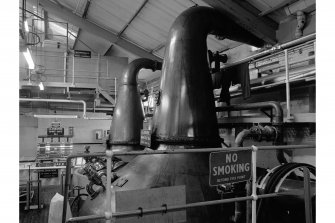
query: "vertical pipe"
29, 76
115, 89
66, 187
108, 213
307, 197
23, 15
107, 67
28, 190
73, 70
64, 66
254, 178
288, 100
248, 205
38, 190
67, 36
98, 69
94, 103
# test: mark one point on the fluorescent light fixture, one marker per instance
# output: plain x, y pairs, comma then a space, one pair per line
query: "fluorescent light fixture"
29, 59
26, 27
41, 86
56, 116
253, 48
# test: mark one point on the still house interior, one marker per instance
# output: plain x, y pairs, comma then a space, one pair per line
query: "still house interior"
167, 111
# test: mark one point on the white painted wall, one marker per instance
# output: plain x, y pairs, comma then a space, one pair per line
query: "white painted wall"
28, 137
84, 132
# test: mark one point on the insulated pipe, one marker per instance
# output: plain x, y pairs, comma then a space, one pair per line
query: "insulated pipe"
185, 112
57, 100
128, 113
278, 111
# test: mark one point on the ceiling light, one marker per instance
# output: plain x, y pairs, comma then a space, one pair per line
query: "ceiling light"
29, 59
26, 27
41, 86
253, 48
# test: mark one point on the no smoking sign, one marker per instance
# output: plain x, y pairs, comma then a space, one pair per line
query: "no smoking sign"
229, 167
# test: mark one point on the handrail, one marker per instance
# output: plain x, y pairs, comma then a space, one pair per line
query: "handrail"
109, 154
208, 150
167, 208
58, 101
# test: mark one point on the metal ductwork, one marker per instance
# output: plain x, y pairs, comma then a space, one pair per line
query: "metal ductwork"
184, 118
125, 131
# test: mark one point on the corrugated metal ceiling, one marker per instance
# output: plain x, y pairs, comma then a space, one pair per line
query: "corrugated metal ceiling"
112, 14
78, 6
149, 29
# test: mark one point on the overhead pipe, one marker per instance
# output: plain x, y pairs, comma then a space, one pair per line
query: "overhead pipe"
278, 110
58, 101
296, 78
273, 49
125, 131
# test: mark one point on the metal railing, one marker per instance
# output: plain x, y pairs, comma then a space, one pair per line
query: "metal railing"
58, 101
140, 212
71, 74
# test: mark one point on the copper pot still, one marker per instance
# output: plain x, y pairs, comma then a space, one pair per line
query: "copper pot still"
185, 117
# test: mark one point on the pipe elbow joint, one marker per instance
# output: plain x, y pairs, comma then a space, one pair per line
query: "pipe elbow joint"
133, 68
157, 66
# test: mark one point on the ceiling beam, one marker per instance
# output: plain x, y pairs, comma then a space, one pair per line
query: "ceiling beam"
87, 5
245, 19
69, 16
278, 6
132, 18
